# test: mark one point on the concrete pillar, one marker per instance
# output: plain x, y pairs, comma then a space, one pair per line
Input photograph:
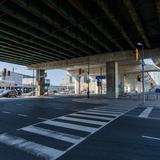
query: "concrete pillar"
133, 82
77, 84
40, 82
112, 79
121, 83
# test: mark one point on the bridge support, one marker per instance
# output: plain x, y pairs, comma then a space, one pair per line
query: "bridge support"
77, 85
112, 79
40, 82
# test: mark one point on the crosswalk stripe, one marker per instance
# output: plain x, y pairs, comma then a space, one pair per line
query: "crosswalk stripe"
88, 116
119, 107
146, 112
35, 149
71, 126
83, 120
96, 113
114, 110
109, 112
53, 134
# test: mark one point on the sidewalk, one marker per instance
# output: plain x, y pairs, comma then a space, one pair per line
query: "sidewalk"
117, 102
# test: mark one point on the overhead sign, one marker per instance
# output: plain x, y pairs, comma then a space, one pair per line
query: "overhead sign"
100, 77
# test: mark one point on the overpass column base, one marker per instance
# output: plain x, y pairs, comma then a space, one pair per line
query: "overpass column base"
40, 82
77, 85
112, 79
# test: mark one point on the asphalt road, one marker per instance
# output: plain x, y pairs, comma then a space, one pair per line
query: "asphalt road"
58, 128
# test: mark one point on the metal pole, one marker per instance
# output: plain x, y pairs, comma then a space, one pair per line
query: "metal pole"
142, 59
143, 87
33, 84
88, 94
101, 79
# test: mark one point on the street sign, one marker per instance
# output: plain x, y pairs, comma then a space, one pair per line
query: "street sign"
100, 77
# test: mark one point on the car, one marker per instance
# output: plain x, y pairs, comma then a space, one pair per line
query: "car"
8, 93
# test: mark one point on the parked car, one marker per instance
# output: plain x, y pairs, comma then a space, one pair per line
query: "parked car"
8, 93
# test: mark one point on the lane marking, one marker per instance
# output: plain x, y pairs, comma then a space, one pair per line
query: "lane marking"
30, 147
41, 118
45, 152
114, 110
119, 107
71, 126
89, 116
105, 111
53, 134
22, 115
108, 113
96, 113
82, 120
146, 112
154, 138
5, 112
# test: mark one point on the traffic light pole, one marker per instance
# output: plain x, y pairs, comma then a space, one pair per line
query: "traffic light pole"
142, 59
88, 90
143, 89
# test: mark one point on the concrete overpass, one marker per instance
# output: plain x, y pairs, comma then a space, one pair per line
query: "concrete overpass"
46, 34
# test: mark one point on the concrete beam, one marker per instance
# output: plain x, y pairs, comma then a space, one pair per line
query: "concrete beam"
137, 21
43, 41
127, 56
94, 22
65, 13
112, 18
158, 9
19, 50
44, 28
56, 22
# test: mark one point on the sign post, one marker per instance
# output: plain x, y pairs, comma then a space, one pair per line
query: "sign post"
141, 48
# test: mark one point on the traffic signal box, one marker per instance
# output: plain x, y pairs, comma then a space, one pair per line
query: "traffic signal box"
137, 55
138, 78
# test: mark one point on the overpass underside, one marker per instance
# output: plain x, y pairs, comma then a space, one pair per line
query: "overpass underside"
56, 30
47, 34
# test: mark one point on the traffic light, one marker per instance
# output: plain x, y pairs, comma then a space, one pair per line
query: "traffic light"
9, 73
80, 71
137, 55
138, 78
4, 72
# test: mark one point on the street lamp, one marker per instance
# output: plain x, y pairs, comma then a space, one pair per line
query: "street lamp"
141, 48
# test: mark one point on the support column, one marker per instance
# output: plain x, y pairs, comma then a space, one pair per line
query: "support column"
40, 82
77, 85
112, 79
121, 83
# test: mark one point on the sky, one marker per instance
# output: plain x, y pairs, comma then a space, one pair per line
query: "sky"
56, 76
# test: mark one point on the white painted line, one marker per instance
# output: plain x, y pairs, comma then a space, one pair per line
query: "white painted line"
96, 110
83, 120
146, 112
154, 138
104, 112
89, 116
35, 149
41, 118
22, 115
71, 126
116, 107
5, 112
95, 113
114, 110
53, 134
